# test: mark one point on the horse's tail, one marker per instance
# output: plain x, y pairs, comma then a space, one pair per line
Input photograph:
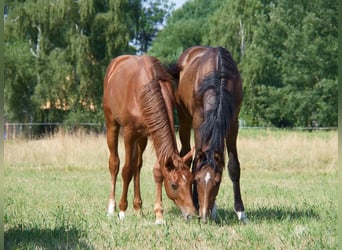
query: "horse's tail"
218, 104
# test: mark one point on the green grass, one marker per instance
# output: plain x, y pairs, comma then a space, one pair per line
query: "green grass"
289, 187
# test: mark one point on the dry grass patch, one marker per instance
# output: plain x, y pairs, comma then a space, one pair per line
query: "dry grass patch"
289, 151
64, 150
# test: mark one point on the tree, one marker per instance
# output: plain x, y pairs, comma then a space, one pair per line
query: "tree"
291, 63
232, 25
147, 19
285, 49
20, 82
56, 53
185, 28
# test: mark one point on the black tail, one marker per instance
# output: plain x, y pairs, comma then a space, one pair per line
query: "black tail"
218, 112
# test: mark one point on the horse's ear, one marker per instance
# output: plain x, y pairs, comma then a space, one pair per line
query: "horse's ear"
169, 164
188, 156
218, 159
200, 155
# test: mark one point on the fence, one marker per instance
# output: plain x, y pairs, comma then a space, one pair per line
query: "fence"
32, 130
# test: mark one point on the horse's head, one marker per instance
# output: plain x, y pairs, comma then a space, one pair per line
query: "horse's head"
178, 181
207, 178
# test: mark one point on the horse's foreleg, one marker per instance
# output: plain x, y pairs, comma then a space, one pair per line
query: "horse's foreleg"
114, 162
128, 169
137, 202
158, 206
234, 172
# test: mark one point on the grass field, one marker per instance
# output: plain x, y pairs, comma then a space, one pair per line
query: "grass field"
56, 192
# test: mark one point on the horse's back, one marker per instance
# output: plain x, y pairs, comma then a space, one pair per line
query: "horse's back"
196, 64
124, 68
125, 77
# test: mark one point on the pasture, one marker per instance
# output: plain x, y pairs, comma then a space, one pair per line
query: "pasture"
57, 189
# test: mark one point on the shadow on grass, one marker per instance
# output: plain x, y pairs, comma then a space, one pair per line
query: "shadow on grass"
22, 237
227, 216
271, 214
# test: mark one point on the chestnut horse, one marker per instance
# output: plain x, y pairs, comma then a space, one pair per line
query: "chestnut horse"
208, 96
138, 96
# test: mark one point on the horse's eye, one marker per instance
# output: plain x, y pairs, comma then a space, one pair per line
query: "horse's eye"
174, 186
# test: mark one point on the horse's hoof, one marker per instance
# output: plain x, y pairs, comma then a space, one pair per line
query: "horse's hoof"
121, 215
160, 222
139, 213
242, 216
110, 214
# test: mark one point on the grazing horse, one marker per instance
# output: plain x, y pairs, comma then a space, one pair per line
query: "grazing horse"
208, 96
138, 96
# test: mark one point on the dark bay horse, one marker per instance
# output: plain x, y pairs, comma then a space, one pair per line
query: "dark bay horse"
138, 97
208, 96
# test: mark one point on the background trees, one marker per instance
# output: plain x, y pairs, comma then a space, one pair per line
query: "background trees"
56, 53
286, 51
290, 67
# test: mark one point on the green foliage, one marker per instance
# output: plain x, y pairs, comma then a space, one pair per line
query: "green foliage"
57, 53
20, 81
286, 52
148, 21
185, 28
292, 55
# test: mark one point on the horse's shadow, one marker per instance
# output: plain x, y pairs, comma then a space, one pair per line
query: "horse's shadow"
269, 214
227, 216
61, 238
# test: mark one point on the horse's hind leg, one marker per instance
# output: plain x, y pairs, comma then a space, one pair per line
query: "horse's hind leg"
114, 160
137, 202
129, 167
184, 134
234, 170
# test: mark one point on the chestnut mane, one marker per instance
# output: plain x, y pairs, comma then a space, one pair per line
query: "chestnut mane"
155, 113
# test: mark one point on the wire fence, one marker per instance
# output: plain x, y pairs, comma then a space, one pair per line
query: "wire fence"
34, 130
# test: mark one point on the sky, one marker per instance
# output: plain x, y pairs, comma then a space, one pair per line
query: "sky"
178, 3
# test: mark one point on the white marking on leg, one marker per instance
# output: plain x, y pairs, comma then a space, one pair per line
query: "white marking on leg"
242, 216
160, 222
121, 215
111, 207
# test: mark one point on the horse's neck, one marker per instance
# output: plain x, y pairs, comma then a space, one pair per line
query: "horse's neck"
164, 144
167, 93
